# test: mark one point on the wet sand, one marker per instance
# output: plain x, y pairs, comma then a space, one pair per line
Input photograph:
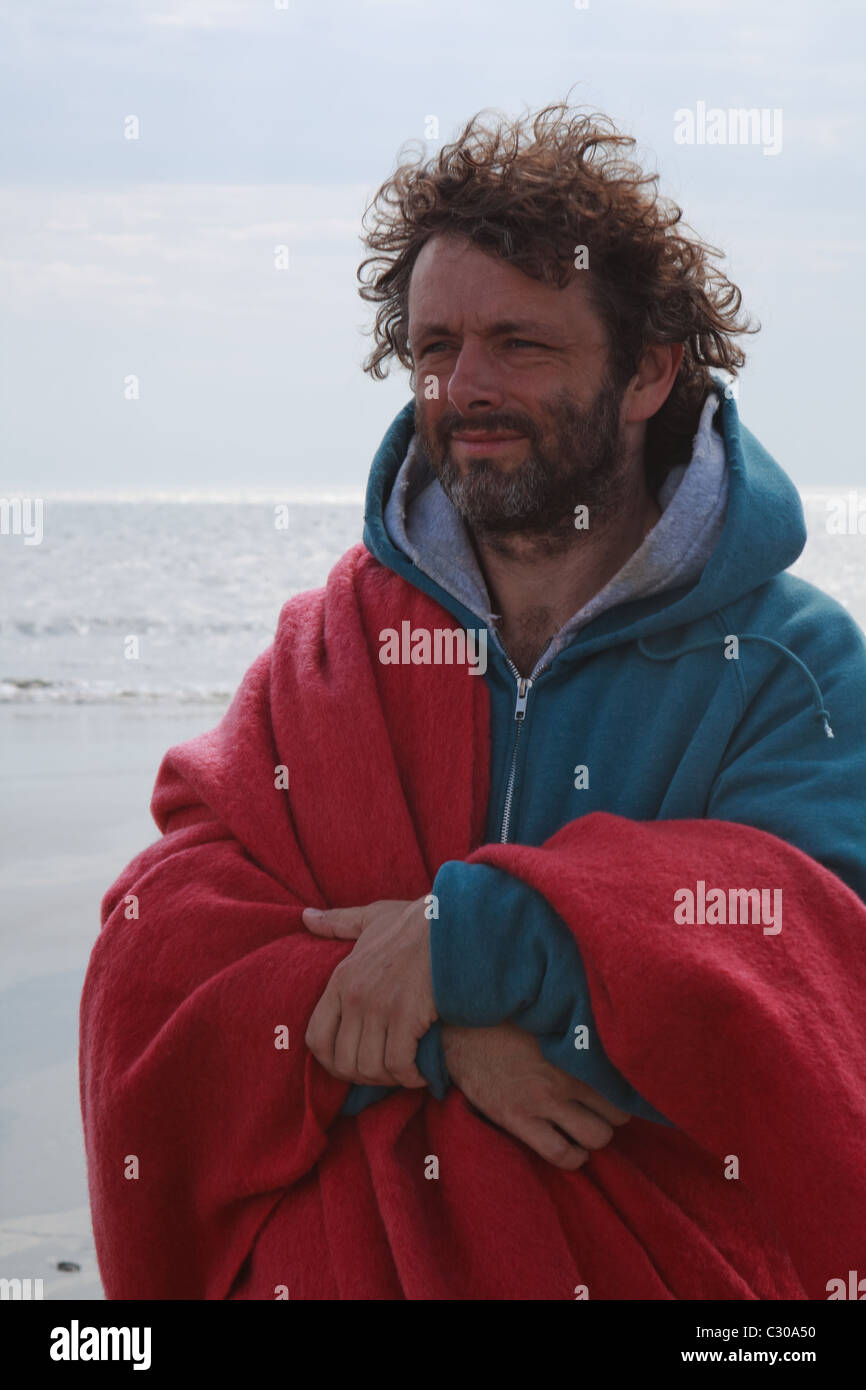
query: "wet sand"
76, 784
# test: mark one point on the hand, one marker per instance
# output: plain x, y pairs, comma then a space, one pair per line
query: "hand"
503, 1072
379, 1000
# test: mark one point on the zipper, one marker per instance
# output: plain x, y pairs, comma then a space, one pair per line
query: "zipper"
524, 685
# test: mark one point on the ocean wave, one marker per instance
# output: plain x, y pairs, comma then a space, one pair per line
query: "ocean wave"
61, 625
30, 690
338, 495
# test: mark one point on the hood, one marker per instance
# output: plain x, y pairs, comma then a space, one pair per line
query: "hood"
732, 520
426, 527
754, 532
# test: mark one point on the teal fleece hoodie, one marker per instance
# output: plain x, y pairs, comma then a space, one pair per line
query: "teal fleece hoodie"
671, 724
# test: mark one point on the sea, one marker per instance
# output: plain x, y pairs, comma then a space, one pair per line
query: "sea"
153, 598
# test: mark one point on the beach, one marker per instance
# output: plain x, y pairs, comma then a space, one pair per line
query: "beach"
76, 787
126, 630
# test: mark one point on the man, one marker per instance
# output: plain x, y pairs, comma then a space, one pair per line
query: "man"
650, 734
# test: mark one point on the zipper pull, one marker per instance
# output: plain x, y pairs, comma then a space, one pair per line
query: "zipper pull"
524, 685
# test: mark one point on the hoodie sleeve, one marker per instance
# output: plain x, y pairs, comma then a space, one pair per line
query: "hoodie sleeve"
500, 952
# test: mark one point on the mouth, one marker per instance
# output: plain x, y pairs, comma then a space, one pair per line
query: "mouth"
480, 441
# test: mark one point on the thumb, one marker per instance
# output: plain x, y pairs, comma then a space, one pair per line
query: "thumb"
344, 923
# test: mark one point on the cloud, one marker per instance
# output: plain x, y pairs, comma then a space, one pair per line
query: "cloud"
211, 14
208, 247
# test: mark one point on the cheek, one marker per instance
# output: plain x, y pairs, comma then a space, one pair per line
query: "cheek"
431, 393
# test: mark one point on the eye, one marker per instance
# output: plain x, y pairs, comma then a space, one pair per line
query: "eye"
523, 342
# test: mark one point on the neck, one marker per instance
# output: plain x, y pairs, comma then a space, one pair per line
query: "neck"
537, 582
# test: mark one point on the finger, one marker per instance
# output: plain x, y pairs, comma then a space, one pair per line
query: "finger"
584, 1126
549, 1143
343, 923
371, 1053
346, 1044
322, 1029
585, 1095
400, 1049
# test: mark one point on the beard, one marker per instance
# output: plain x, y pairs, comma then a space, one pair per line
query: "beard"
578, 458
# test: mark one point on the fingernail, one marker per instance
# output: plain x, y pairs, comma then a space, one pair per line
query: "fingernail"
312, 912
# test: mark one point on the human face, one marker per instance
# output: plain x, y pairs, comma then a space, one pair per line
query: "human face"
524, 422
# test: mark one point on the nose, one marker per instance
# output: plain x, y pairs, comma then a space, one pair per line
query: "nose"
474, 382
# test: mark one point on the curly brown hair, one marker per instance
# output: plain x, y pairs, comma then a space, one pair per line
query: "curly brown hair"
532, 189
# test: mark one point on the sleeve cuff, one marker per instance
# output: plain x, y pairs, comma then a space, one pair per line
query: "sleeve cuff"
430, 1061
493, 944
498, 951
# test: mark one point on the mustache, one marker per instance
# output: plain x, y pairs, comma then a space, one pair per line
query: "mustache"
451, 424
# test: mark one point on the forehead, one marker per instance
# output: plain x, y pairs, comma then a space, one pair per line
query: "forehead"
455, 284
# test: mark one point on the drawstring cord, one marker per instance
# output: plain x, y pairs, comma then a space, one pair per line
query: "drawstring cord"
822, 713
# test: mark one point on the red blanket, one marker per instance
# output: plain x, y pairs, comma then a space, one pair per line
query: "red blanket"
219, 1166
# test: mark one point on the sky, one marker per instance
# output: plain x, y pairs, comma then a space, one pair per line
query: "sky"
266, 123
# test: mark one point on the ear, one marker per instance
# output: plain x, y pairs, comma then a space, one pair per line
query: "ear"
653, 381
